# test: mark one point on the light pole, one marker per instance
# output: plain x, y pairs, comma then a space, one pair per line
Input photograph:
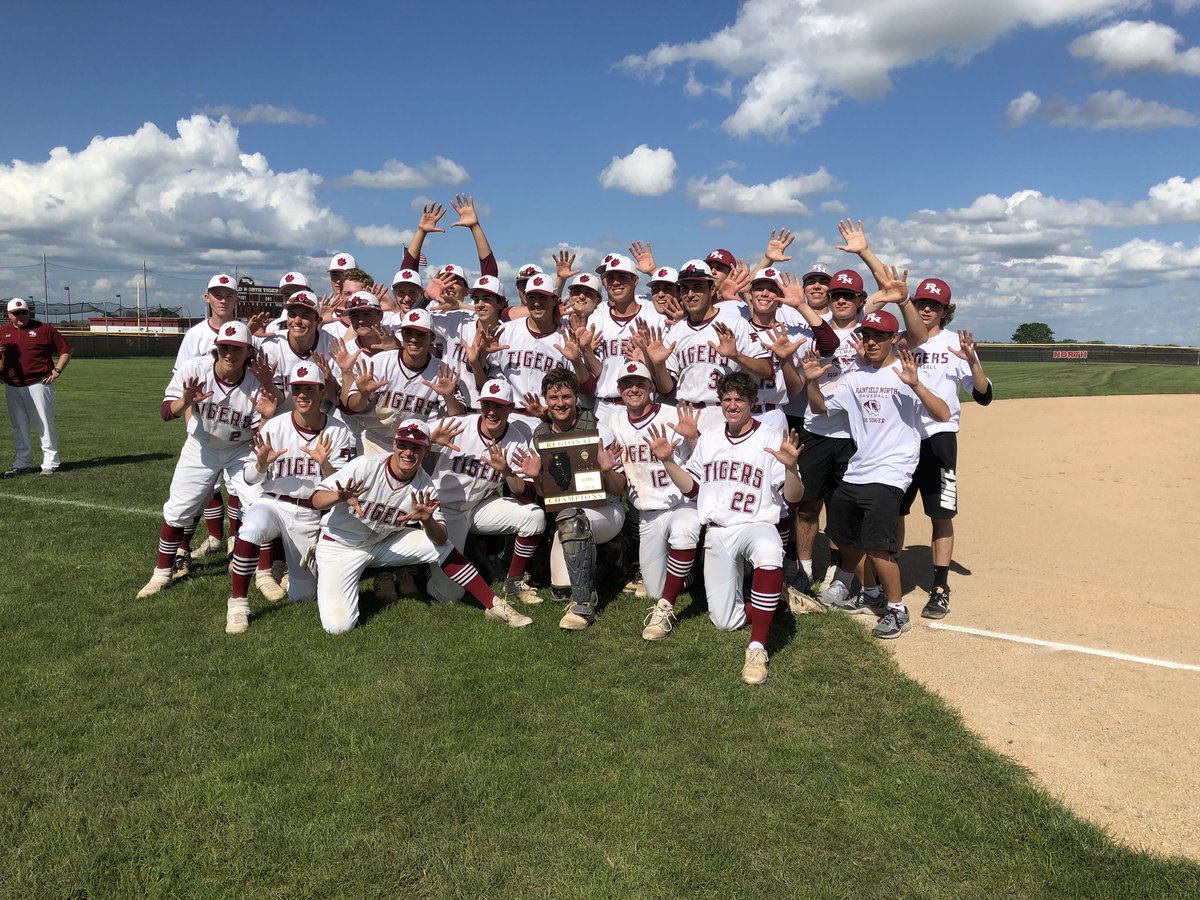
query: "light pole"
68, 290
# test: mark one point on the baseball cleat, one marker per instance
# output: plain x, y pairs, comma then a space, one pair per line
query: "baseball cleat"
385, 587
938, 605
893, 624
237, 615
49, 471
635, 585
405, 585
502, 612
159, 581
659, 621
209, 545
521, 589
182, 567
755, 669
268, 586
229, 542
572, 621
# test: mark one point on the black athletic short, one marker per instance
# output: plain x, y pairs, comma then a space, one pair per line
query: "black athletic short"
822, 465
864, 516
935, 478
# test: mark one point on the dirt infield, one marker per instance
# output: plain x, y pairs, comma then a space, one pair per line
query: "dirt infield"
1080, 520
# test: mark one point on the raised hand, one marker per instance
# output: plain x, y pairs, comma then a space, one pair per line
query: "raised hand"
777, 246
856, 344
323, 364
465, 207
894, 285
446, 381
643, 257
789, 450
656, 349
445, 432
264, 371
431, 214
907, 370
793, 291
423, 505
342, 358
348, 492
434, 291
265, 403
569, 347
364, 379
193, 392
736, 282
688, 424
385, 340
257, 323
382, 293
610, 456
264, 453
529, 464
671, 308
319, 452
658, 442
812, 368
534, 405
494, 457
564, 264
775, 338
966, 352
854, 239
726, 343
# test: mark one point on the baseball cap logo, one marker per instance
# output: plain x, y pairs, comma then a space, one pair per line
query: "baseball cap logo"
301, 372
845, 279
224, 279
494, 389
407, 273
932, 287
289, 277
770, 273
873, 319
539, 281
662, 273
230, 331
341, 260
631, 368
413, 317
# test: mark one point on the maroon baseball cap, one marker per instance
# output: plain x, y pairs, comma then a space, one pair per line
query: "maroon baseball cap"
933, 289
721, 258
846, 280
880, 320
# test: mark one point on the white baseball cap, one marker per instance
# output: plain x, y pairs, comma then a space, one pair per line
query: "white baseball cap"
770, 273
634, 370
585, 280
307, 299
412, 431
293, 279
540, 284
341, 262
619, 263
407, 276
665, 273
528, 270
222, 281
603, 267
490, 284
16, 304
818, 269
234, 333
418, 319
450, 270
695, 268
496, 390
360, 301
306, 373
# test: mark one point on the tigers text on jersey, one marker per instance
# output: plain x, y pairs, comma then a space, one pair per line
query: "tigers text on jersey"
882, 411
296, 474
944, 374
694, 364
615, 333
844, 360
403, 396
463, 476
530, 355
226, 419
385, 499
739, 481
650, 487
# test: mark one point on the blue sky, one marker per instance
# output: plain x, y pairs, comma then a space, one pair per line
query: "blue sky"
1039, 155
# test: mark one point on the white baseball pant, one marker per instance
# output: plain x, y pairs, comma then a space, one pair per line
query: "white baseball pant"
32, 405
606, 522
196, 475
496, 515
298, 527
725, 550
340, 567
660, 531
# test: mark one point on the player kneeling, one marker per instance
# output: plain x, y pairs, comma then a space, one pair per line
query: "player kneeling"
668, 526
742, 477
292, 453
386, 513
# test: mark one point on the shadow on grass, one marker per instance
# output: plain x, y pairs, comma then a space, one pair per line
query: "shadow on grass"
104, 461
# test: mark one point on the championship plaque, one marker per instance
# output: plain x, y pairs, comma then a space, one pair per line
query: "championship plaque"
571, 469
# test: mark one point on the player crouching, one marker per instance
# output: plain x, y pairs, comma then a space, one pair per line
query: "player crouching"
742, 477
385, 512
292, 453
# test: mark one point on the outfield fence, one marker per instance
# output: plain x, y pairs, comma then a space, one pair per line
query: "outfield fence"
1085, 353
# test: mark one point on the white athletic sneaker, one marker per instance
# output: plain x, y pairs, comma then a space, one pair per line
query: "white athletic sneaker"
268, 586
229, 542
237, 615
659, 621
502, 612
209, 545
159, 581
755, 669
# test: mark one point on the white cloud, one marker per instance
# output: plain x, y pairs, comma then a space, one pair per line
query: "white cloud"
837, 207
1137, 47
696, 88
795, 60
779, 197
261, 113
1102, 111
716, 222
1022, 108
395, 174
645, 172
383, 236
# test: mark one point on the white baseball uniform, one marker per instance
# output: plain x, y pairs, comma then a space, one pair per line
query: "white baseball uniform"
279, 353
198, 341
404, 396
740, 499
615, 335
697, 366
667, 519
284, 510
530, 355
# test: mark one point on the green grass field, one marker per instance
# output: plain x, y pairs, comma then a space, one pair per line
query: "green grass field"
431, 753
1083, 379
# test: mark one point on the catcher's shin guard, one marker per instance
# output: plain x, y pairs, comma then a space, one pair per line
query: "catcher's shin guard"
579, 553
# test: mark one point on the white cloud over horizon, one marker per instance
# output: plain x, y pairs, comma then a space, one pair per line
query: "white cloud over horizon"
1137, 47
778, 197
1101, 111
394, 174
383, 236
643, 172
262, 113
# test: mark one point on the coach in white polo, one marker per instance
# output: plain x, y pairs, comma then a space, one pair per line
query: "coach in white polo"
32, 356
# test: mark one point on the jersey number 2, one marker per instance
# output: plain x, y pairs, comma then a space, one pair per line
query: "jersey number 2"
743, 502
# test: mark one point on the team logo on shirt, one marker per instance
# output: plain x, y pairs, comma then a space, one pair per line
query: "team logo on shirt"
872, 406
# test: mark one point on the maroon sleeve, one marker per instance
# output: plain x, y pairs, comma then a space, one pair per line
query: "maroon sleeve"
506, 315
409, 262
61, 344
487, 266
826, 339
166, 413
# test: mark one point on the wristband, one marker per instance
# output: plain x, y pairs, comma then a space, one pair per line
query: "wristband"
57, 370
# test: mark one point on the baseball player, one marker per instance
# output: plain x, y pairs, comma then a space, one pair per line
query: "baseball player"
882, 403
290, 283
338, 267
455, 329
947, 363
694, 353
386, 512
668, 526
32, 357
742, 477
302, 341
292, 453
228, 396
577, 530
474, 459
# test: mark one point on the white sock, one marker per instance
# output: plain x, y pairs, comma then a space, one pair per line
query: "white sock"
806, 565
757, 645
